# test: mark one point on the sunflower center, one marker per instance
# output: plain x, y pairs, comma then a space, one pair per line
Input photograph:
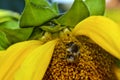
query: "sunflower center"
78, 58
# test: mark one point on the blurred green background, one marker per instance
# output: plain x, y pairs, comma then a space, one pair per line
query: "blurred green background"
112, 7
114, 14
113, 10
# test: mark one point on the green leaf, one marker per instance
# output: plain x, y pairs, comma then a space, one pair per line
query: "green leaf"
37, 12
55, 7
51, 29
9, 24
4, 43
17, 35
36, 34
78, 12
9, 19
7, 13
4, 19
96, 7
118, 63
42, 3
1, 48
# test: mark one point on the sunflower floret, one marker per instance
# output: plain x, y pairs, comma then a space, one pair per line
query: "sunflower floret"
92, 63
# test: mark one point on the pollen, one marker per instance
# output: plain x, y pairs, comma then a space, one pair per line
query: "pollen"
91, 63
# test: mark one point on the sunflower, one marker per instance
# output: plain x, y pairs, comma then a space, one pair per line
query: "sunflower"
79, 45
87, 52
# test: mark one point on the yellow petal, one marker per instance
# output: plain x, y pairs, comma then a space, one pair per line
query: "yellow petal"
14, 56
103, 31
2, 54
36, 63
117, 72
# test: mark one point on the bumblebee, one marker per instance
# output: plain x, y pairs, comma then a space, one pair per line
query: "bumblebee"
73, 52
